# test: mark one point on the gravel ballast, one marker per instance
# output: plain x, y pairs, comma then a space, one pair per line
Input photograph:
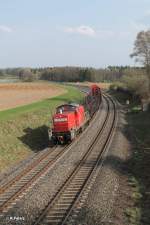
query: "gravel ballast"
37, 198
13, 171
98, 208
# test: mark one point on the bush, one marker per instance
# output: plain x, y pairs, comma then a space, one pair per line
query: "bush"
26, 75
116, 86
137, 84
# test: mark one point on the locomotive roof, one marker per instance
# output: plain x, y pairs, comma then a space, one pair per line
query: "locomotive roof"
70, 104
94, 86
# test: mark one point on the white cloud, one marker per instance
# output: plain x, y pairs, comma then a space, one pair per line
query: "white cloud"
6, 29
83, 30
99, 33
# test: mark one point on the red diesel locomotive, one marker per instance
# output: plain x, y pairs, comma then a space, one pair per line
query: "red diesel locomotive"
70, 119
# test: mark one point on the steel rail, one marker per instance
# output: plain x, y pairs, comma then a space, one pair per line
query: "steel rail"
20, 186
4, 187
9, 193
59, 208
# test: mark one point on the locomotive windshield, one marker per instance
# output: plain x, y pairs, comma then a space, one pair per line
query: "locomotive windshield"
66, 108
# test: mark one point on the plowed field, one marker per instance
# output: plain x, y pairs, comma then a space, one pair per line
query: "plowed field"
18, 94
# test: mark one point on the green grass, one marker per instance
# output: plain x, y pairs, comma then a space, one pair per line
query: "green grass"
133, 215
72, 95
138, 133
23, 130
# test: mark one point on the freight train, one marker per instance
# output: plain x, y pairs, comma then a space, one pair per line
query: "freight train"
71, 119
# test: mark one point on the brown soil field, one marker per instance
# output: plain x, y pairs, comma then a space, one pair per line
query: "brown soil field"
18, 94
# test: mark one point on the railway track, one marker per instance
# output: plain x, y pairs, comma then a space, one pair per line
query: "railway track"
68, 200
27, 169
19, 185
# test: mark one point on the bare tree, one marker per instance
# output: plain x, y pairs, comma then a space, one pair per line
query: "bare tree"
141, 50
26, 75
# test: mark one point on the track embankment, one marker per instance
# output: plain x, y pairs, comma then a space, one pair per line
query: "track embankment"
64, 183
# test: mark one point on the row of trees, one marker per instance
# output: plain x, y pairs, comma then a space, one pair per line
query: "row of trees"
73, 74
68, 74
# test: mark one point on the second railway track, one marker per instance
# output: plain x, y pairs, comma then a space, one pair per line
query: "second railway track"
17, 186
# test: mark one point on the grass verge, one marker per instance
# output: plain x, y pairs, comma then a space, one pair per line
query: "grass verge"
23, 130
138, 133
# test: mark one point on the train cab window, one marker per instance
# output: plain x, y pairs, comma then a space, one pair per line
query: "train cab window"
66, 108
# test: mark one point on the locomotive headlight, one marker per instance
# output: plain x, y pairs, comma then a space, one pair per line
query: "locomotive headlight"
60, 120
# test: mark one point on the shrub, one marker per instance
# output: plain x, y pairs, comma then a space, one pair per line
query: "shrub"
26, 75
137, 84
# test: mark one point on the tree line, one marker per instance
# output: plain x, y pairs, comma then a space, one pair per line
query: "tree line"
68, 74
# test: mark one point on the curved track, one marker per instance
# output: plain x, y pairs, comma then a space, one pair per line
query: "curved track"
69, 198
17, 187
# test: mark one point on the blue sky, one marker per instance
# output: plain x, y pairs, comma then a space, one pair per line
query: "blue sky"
95, 33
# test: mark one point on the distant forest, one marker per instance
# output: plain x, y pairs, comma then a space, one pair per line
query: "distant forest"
69, 74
